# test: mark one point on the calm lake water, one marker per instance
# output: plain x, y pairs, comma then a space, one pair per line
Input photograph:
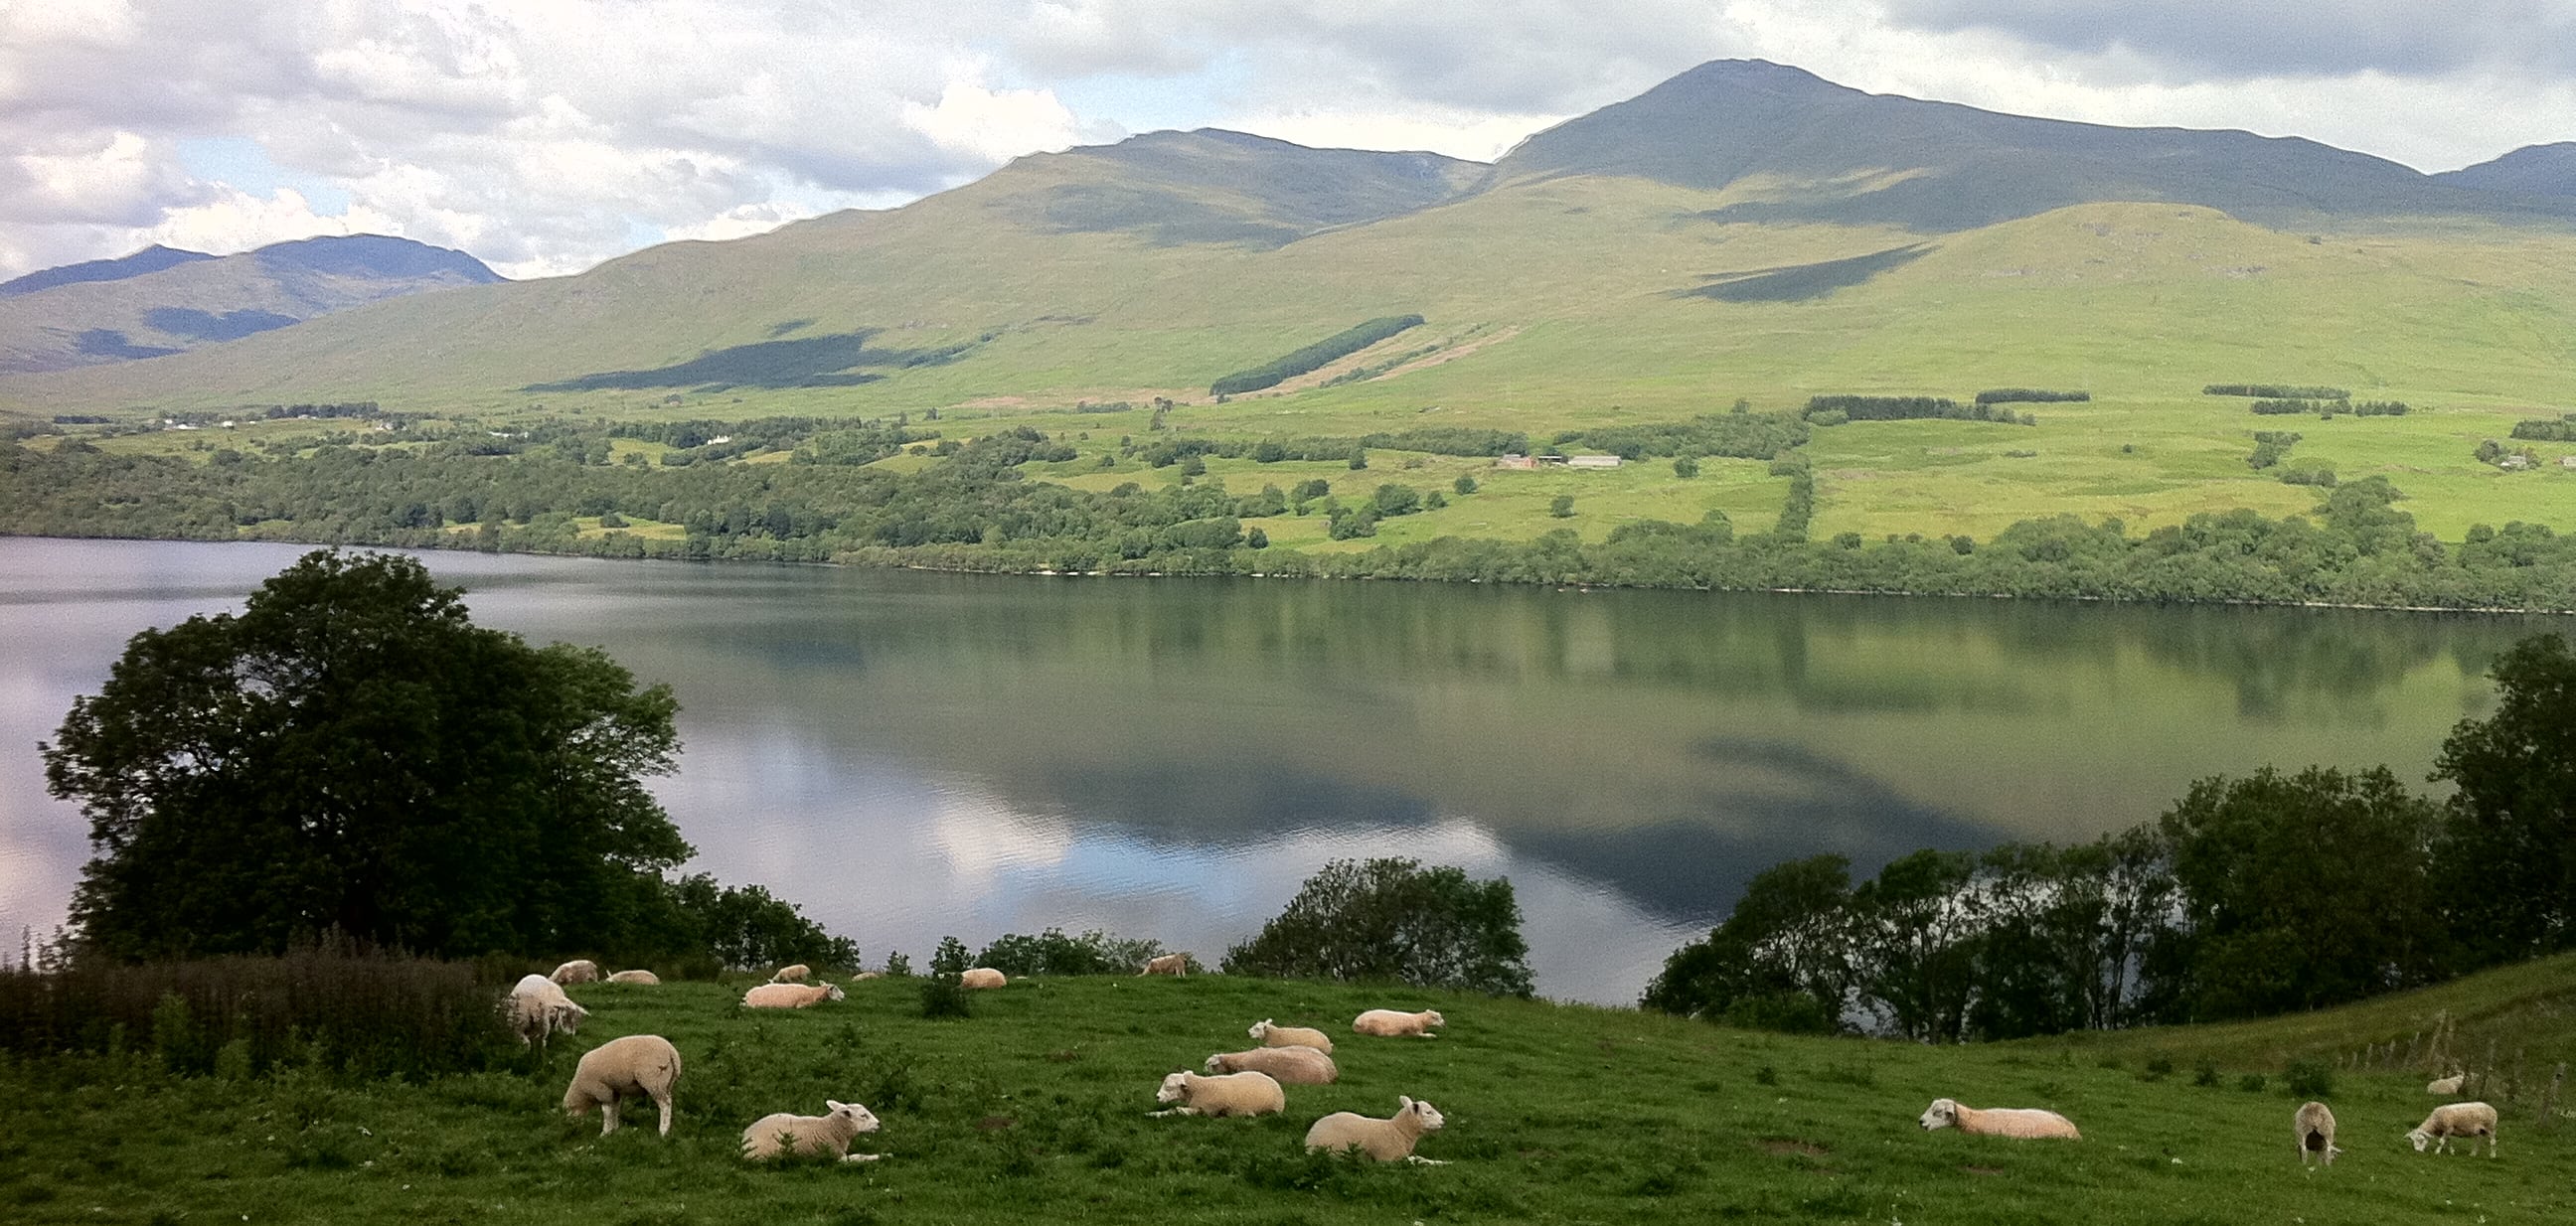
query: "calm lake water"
910, 755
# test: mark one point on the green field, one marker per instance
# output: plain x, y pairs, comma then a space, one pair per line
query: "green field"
1035, 1109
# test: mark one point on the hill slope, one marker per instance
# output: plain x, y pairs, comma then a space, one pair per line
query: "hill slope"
149, 260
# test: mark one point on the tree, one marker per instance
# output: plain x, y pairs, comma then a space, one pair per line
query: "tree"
1685, 467
1465, 484
351, 752
2507, 853
1915, 930
1781, 961
1561, 506
1394, 920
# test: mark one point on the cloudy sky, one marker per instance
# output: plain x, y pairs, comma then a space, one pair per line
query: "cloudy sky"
547, 135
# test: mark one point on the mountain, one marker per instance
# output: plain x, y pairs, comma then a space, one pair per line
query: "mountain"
161, 301
1215, 186
2533, 170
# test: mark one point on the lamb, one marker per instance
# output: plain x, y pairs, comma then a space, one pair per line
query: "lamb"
810, 1136
646, 978
2314, 1127
579, 970
2022, 1123
1388, 1023
1168, 964
1232, 1094
791, 995
982, 977
639, 1065
797, 973
2446, 1086
538, 1009
1272, 1034
1382, 1140
1292, 1066
2472, 1120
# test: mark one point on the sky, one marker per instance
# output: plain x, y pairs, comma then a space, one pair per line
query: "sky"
549, 135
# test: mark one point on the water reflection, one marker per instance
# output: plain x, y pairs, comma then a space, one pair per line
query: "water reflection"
913, 755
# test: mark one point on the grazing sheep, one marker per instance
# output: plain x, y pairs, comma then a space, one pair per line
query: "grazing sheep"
579, 970
1383, 1140
539, 1009
647, 978
1232, 1094
810, 1136
2447, 1085
1290, 1066
2314, 1127
798, 973
2471, 1120
1272, 1034
2024, 1123
1168, 964
1388, 1023
791, 995
639, 1065
982, 977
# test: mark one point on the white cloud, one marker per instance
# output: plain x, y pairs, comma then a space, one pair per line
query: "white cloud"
994, 126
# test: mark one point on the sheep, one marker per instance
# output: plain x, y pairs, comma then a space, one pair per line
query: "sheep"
646, 978
579, 970
1272, 1034
2314, 1127
791, 995
1232, 1094
2019, 1122
1294, 1066
1382, 1140
538, 1009
2446, 1086
1168, 964
982, 977
810, 1136
2472, 1120
1388, 1023
797, 973
643, 1065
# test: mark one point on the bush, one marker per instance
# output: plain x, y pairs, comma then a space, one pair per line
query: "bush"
944, 996
2276, 391
2309, 1079
1053, 953
950, 959
1394, 920
1562, 506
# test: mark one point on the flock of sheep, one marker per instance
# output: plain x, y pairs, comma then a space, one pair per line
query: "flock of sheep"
1239, 1083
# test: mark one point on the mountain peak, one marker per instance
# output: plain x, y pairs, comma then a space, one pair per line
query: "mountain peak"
149, 260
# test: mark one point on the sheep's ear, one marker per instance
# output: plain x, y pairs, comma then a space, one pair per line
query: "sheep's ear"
834, 1105
1404, 1102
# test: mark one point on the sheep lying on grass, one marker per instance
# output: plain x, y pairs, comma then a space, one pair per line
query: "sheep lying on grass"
647, 978
797, 973
1384, 1140
2019, 1122
637, 1066
1291, 1066
810, 1136
1271, 1034
1232, 1094
539, 1009
579, 970
2314, 1126
791, 995
2447, 1085
1168, 964
2471, 1120
1390, 1023
982, 977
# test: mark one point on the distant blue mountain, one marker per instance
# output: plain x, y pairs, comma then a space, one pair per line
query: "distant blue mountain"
151, 259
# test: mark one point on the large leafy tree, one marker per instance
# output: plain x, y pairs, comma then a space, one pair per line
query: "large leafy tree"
1394, 920
2507, 856
1781, 961
352, 752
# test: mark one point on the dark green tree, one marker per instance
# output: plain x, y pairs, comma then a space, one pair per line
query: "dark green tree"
2507, 852
351, 752
1394, 920
1781, 961
1916, 929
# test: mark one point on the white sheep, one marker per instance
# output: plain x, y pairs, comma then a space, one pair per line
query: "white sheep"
1293, 1066
646, 978
791, 995
2314, 1126
1383, 1140
1232, 1094
2447, 1085
639, 1065
797, 973
1271, 1034
1168, 964
810, 1136
2471, 1120
1390, 1023
539, 1009
579, 970
982, 977
2025, 1123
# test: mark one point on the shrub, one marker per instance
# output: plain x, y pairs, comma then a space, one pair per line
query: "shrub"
2031, 395
2309, 1079
950, 958
1053, 953
1394, 920
2276, 391
944, 996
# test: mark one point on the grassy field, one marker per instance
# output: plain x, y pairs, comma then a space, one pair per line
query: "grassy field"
1035, 1109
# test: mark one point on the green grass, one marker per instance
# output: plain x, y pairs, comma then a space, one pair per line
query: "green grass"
1035, 1110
